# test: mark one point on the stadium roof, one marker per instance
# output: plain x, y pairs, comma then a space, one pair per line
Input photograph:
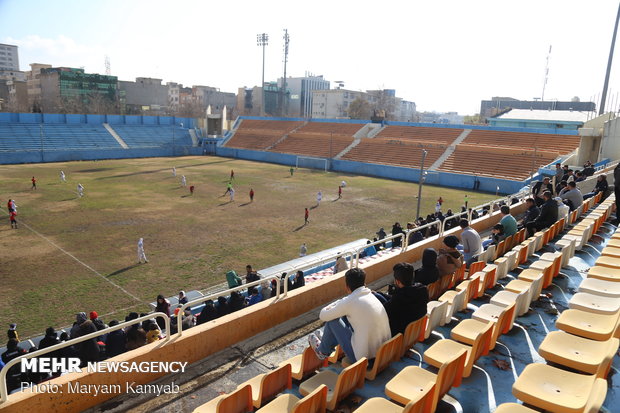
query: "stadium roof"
545, 115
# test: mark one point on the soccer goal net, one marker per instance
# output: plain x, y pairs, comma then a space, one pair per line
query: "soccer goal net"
312, 163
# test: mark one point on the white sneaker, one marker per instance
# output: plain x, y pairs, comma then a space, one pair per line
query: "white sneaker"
319, 334
315, 342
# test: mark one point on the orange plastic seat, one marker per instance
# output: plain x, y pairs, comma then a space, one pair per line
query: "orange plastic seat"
604, 273
381, 405
387, 353
304, 364
239, 401
514, 408
267, 386
600, 287
436, 316
467, 330
413, 333
589, 325
315, 402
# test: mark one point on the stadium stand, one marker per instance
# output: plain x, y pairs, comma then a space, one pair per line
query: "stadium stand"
28, 137
420, 133
144, 136
260, 134
394, 152
313, 145
346, 130
562, 144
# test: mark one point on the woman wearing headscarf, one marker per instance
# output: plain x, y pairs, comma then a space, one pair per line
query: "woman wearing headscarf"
429, 273
450, 259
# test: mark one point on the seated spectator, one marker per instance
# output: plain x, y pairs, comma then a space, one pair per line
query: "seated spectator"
255, 296
94, 317
560, 186
450, 259
414, 236
236, 301
563, 209
569, 176
50, 339
601, 186
265, 290
531, 213
472, 244
14, 375
571, 195
116, 341
357, 322
208, 313
183, 298
222, 306
588, 169
152, 334
547, 217
341, 264
406, 301
540, 187
474, 214
370, 250
88, 350
233, 279
300, 280
497, 236
579, 176
397, 229
250, 276
429, 273
188, 319
508, 221
163, 306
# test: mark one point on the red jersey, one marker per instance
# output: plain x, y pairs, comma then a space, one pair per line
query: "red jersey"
339, 190
251, 193
307, 213
33, 180
12, 215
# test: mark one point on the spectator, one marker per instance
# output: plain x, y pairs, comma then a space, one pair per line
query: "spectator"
429, 273
569, 177
588, 169
208, 313
163, 306
407, 302
539, 188
99, 324
116, 341
414, 236
450, 259
188, 320
303, 250
563, 209
183, 298
250, 274
548, 215
497, 236
531, 213
152, 334
508, 221
472, 245
559, 172
255, 296
560, 186
397, 229
75, 328
222, 306
233, 279
12, 332
88, 350
236, 301
14, 375
370, 250
50, 339
341, 264
358, 322
474, 214
381, 235
601, 186
571, 195
579, 176
300, 280
265, 290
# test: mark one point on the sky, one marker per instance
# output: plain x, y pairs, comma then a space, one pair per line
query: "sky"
444, 55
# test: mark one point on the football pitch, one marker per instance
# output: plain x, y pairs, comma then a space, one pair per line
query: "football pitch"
74, 254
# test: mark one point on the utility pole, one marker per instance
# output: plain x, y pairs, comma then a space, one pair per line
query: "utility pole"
284, 111
601, 109
421, 183
262, 40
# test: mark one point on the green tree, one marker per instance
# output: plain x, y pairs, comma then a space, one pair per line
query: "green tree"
359, 109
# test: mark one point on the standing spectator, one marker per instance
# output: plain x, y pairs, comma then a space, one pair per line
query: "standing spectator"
539, 188
233, 279
12, 332
381, 235
341, 264
62, 177
13, 219
571, 195
531, 213
80, 190
472, 245
559, 172
251, 195
163, 306
183, 298
429, 273
306, 216
357, 322
208, 313
250, 274
319, 198
303, 250
34, 183
300, 280
339, 192
601, 186
450, 259
508, 221
88, 350
141, 254
183, 181
397, 229
407, 301
255, 296
548, 215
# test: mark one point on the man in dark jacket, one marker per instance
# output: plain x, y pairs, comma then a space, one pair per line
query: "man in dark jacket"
532, 212
116, 341
14, 375
548, 215
408, 301
539, 188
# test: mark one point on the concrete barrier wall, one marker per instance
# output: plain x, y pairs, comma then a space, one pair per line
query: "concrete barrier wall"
61, 118
202, 341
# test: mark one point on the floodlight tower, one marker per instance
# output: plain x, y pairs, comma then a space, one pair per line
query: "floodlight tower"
601, 109
284, 100
262, 39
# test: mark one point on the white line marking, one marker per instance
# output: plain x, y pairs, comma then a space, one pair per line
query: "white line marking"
543, 323
514, 370
536, 358
491, 393
76, 259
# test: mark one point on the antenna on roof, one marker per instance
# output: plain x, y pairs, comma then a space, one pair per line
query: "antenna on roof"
546, 74
108, 68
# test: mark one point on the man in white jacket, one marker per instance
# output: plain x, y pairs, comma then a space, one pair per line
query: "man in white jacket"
358, 322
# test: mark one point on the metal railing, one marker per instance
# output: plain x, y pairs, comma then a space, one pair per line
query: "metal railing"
3, 387
227, 292
356, 253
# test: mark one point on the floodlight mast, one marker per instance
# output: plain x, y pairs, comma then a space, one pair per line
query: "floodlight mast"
601, 109
284, 102
262, 39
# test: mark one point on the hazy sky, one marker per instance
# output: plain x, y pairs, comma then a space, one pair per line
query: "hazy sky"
444, 55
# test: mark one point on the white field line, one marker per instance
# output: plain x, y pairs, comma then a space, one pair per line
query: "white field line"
76, 259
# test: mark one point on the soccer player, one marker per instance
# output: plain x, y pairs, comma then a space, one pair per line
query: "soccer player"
291, 170
306, 216
303, 250
340, 192
80, 190
183, 181
191, 190
11, 205
34, 183
251, 195
232, 174
141, 254
232, 194
174, 171
62, 177
319, 198
228, 188
13, 218
343, 184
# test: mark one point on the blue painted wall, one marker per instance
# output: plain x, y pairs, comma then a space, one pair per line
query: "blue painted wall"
59, 118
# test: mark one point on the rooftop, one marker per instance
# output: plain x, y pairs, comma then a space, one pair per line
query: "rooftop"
546, 115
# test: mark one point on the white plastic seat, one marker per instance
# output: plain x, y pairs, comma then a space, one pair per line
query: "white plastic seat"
600, 287
595, 303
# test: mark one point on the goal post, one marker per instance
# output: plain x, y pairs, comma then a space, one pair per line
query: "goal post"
312, 163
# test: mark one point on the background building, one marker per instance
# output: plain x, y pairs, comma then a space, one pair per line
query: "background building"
33, 81
546, 119
144, 96
9, 58
497, 105
300, 93
343, 103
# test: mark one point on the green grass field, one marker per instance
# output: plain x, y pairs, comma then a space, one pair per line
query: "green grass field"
190, 241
